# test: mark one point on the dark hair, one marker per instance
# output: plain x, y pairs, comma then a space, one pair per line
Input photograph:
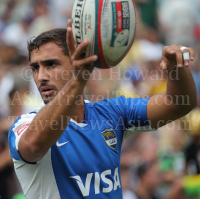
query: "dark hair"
56, 35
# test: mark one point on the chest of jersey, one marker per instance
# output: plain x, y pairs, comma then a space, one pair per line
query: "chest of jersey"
87, 158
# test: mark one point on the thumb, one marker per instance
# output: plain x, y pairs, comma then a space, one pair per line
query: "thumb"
163, 65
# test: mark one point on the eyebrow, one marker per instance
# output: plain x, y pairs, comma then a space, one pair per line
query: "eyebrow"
34, 64
45, 62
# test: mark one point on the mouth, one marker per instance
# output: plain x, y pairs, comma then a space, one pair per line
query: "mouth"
46, 91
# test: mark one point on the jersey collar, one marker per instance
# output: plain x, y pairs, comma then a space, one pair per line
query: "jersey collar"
82, 124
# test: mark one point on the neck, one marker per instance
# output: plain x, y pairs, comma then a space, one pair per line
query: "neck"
79, 111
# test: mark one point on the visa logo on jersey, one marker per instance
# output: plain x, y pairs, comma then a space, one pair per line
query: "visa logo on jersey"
85, 189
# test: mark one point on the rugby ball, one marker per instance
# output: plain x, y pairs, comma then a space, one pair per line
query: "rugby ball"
108, 25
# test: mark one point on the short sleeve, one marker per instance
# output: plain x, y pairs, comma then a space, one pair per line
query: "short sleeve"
133, 110
16, 131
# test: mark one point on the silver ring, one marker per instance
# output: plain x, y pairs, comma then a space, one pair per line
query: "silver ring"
186, 55
183, 48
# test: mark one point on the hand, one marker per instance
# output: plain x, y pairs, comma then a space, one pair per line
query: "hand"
82, 67
172, 57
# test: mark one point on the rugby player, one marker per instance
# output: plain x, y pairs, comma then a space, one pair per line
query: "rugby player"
70, 148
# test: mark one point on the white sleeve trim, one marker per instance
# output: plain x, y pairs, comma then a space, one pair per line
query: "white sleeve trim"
21, 126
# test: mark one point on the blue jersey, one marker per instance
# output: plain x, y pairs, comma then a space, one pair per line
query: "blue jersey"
85, 160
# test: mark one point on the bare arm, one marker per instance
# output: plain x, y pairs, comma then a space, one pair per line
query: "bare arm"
47, 126
180, 97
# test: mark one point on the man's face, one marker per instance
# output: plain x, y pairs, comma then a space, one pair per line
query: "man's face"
51, 69
122, 38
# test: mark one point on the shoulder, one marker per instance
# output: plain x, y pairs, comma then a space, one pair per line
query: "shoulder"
110, 105
22, 122
17, 129
111, 102
26, 118
121, 103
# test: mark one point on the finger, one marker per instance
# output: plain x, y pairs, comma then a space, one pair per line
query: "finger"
70, 23
83, 62
179, 56
70, 39
186, 57
80, 50
192, 54
168, 50
163, 66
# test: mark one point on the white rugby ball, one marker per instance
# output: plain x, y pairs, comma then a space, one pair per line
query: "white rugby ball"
108, 25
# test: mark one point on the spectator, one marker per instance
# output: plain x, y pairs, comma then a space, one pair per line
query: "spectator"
192, 151
126, 184
149, 179
178, 20
42, 21
17, 35
63, 12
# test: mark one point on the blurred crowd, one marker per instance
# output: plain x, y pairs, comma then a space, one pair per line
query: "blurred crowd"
164, 164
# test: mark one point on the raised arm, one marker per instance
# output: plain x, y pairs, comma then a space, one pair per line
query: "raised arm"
47, 126
180, 97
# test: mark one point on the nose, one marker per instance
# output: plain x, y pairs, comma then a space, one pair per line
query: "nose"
43, 74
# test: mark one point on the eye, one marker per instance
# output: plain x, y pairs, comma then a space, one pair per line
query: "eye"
51, 65
34, 67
